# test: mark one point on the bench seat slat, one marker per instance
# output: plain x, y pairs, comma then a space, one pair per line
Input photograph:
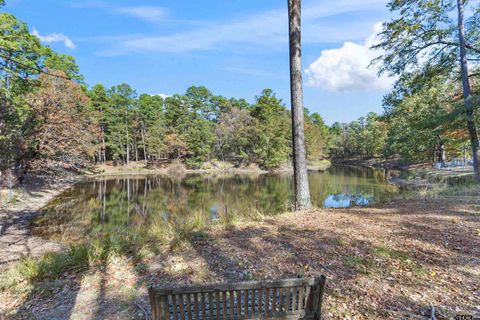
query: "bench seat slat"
281, 299
182, 306
224, 308
267, 301
294, 299
288, 299
210, 304
175, 307
239, 303
204, 305
217, 304
238, 286
301, 292
231, 304
254, 302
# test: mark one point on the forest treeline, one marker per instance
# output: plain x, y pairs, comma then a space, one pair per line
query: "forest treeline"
50, 118
423, 120
196, 126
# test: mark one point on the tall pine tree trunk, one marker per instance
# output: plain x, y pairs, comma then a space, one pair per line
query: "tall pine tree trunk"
136, 150
104, 149
300, 176
467, 97
103, 156
143, 144
128, 142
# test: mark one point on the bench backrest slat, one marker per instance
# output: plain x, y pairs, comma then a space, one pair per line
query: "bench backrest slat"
291, 298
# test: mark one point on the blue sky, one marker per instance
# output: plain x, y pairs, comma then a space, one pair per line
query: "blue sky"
234, 47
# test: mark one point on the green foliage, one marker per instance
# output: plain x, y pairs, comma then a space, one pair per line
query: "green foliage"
423, 34
273, 143
423, 118
421, 45
48, 267
316, 136
360, 264
199, 139
364, 137
198, 126
235, 136
63, 62
155, 139
20, 54
38, 102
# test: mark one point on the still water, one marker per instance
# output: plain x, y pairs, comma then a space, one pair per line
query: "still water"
135, 201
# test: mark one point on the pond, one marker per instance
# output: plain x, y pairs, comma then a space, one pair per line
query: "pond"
137, 204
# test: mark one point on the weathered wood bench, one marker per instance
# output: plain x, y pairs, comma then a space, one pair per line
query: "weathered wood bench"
286, 299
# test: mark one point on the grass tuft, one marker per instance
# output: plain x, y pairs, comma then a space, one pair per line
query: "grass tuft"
396, 255
360, 264
48, 267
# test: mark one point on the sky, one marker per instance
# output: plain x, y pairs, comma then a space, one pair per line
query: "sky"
235, 48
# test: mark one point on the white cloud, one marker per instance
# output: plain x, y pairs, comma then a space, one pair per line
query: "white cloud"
147, 13
212, 35
55, 37
347, 68
152, 14
266, 29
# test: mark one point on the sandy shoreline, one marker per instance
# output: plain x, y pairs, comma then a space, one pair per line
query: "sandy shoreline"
15, 238
215, 168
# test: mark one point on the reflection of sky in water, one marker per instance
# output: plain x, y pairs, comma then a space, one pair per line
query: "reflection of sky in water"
165, 215
343, 200
214, 212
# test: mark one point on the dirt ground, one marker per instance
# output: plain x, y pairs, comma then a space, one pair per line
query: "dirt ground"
392, 261
15, 238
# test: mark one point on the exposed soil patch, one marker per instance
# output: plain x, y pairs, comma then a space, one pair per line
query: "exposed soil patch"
15, 238
390, 261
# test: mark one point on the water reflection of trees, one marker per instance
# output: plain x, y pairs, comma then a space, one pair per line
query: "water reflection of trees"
130, 205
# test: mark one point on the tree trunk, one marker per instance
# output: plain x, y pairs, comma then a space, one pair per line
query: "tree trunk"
126, 130
300, 176
472, 130
103, 156
441, 153
104, 149
143, 144
136, 150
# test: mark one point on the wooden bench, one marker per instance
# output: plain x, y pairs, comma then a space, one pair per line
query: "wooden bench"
286, 299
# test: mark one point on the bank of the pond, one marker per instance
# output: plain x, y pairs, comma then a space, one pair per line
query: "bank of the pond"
414, 175
433, 178
389, 261
208, 167
379, 163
